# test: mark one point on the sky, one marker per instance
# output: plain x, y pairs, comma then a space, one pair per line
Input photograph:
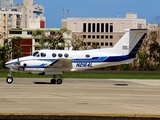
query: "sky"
147, 9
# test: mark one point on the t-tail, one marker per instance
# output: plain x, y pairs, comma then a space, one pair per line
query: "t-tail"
129, 44
126, 48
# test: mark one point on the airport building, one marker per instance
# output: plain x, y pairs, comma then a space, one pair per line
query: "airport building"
26, 15
104, 32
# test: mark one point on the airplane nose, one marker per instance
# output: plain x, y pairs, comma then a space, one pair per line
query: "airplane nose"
6, 64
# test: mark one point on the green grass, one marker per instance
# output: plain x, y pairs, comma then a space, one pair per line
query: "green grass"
84, 75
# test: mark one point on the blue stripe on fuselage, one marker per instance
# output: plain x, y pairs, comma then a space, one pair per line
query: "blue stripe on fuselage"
91, 60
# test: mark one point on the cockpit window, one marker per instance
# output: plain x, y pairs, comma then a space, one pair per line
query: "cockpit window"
35, 54
43, 54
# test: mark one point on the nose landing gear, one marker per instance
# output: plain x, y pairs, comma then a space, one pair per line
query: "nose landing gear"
9, 79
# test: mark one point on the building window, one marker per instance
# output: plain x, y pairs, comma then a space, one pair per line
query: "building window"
106, 36
89, 36
102, 44
111, 36
89, 43
93, 27
111, 44
89, 27
84, 36
111, 27
102, 27
25, 22
36, 40
84, 27
93, 36
15, 32
102, 36
139, 26
37, 48
10, 15
106, 28
29, 32
106, 44
97, 36
98, 27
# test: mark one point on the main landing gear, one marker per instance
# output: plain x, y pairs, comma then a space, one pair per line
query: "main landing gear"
56, 81
9, 79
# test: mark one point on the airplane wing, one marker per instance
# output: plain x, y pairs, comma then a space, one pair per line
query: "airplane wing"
62, 63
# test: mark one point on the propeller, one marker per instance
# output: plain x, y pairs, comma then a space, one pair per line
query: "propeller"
18, 64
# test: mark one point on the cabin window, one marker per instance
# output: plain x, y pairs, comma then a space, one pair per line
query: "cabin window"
35, 54
43, 54
54, 55
60, 55
87, 56
66, 55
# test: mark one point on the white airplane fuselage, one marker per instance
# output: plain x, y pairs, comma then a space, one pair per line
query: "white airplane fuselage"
59, 61
81, 60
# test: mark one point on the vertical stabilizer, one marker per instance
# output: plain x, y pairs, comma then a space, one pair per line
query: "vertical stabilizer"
129, 44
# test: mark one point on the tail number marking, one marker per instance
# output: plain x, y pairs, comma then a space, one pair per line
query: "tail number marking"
84, 65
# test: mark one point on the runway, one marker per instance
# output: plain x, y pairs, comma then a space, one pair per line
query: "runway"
80, 96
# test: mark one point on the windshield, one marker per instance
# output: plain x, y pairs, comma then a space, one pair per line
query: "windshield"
35, 54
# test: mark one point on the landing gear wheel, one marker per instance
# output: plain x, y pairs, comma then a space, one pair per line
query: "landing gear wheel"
59, 81
9, 80
53, 81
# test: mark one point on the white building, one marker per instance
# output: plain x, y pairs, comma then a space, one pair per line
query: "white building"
104, 32
26, 15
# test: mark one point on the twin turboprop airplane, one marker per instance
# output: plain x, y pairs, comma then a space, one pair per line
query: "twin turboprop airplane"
45, 62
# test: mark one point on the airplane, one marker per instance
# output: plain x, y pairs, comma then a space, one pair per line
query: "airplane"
46, 62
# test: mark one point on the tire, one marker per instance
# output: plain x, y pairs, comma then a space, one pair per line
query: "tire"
53, 81
59, 81
9, 80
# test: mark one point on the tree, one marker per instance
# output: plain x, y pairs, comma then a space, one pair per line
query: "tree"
5, 52
78, 43
16, 47
56, 39
41, 37
52, 40
155, 53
